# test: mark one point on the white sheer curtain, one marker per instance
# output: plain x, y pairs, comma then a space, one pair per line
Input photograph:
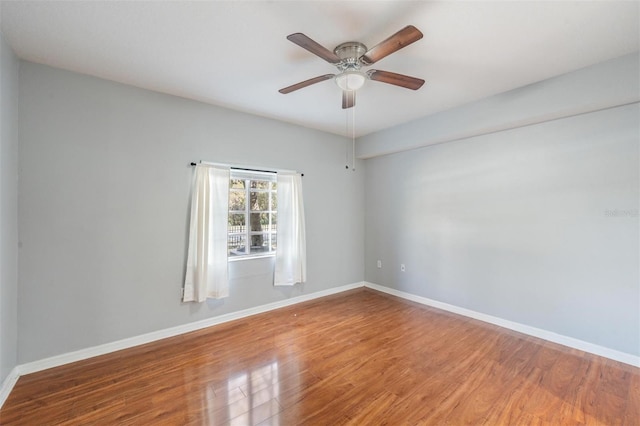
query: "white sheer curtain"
291, 251
207, 274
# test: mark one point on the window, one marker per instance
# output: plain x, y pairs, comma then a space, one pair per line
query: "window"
252, 214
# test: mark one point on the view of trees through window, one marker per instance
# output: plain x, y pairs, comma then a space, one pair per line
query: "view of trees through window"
252, 215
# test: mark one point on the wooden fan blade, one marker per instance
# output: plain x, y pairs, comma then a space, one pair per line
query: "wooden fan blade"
305, 83
401, 39
396, 79
313, 47
348, 98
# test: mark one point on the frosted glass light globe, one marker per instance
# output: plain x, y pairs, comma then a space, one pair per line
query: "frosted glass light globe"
350, 80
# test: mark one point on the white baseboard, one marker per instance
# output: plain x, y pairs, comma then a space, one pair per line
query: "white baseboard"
58, 360
511, 325
7, 385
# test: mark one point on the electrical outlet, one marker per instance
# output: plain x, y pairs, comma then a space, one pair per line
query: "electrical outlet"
379, 263
402, 268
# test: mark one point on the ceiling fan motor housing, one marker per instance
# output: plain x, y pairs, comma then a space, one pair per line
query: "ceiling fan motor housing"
349, 54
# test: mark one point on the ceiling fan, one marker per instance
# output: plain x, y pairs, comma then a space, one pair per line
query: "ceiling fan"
351, 57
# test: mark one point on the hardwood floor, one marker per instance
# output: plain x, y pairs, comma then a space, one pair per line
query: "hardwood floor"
356, 358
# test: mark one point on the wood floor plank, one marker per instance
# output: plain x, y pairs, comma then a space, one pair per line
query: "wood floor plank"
357, 358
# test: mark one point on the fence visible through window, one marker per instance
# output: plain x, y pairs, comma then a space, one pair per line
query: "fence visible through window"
237, 237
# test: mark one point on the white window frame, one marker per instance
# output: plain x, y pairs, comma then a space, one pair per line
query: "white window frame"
248, 176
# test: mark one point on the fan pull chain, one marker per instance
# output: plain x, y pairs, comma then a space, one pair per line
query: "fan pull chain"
346, 133
353, 138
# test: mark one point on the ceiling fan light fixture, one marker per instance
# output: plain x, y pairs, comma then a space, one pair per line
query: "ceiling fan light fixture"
350, 80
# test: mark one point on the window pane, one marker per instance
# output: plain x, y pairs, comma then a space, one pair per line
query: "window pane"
236, 245
260, 222
274, 201
236, 220
268, 242
260, 243
256, 222
259, 184
236, 200
274, 185
266, 228
259, 201
236, 184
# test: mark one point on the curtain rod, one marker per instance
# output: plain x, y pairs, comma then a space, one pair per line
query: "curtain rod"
244, 168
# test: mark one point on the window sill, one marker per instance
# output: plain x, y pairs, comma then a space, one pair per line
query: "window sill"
250, 257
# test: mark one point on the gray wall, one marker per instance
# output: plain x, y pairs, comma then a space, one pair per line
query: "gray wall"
537, 225
8, 209
104, 194
610, 83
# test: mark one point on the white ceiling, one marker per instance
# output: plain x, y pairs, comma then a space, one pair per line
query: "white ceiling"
235, 54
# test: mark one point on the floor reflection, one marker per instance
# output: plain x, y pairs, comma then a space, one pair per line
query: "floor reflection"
260, 388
